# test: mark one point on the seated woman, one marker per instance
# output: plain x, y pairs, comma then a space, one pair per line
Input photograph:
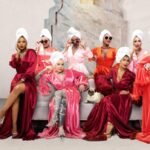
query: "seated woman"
64, 117
18, 109
142, 88
113, 111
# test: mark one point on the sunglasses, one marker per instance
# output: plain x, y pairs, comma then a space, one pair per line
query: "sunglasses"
75, 40
107, 37
44, 41
137, 41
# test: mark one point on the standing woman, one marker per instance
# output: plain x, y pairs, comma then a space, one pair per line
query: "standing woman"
76, 51
16, 113
113, 111
44, 51
137, 52
104, 56
142, 88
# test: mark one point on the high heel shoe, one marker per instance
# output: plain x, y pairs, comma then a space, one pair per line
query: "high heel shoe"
109, 130
61, 133
14, 135
2, 120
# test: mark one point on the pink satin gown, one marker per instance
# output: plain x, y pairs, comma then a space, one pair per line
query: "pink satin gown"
71, 82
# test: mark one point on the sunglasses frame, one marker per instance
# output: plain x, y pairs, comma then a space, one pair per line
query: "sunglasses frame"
108, 37
44, 41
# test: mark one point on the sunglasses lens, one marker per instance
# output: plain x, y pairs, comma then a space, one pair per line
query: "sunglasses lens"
110, 38
44, 41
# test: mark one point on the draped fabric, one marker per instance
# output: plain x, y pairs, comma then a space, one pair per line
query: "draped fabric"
25, 68
142, 88
70, 84
114, 108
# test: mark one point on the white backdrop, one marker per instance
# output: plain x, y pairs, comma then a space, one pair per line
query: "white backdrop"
29, 14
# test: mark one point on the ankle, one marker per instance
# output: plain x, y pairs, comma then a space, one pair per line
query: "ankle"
2, 113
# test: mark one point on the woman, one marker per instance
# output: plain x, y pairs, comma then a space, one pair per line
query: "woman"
142, 88
64, 117
19, 106
137, 52
44, 51
104, 57
76, 52
113, 111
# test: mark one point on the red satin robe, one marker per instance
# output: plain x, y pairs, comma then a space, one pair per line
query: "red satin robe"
25, 68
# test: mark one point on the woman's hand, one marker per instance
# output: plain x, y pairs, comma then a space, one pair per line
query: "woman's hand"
68, 44
49, 68
83, 44
124, 92
18, 53
81, 88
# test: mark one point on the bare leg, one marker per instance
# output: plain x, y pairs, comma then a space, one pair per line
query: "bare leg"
13, 96
15, 109
109, 129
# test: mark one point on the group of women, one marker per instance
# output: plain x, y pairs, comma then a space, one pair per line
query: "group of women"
122, 76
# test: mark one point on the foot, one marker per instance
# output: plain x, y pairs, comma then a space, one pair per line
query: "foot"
61, 132
1, 120
14, 133
2, 114
109, 130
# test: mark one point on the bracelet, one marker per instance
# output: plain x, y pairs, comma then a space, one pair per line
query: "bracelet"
22, 80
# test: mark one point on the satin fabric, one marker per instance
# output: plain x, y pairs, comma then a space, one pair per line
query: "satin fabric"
70, 84
43, 59
114, 108
76, 61
103, 65
142, 88
135, 60
25, 68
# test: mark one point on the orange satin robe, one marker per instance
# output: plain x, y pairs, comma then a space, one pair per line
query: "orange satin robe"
103, 65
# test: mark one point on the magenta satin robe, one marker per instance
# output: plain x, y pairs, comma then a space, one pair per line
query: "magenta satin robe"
115, 108
25, 68
71, 82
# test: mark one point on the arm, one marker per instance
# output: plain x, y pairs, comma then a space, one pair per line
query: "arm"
94, 54
30, 72
81, 80
14, 63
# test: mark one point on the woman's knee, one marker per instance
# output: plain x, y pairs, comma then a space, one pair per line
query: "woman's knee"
20, 88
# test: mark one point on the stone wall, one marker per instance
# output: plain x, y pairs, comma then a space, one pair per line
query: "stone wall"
90, 19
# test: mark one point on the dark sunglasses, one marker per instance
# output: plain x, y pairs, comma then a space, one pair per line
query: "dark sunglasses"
75, 40
44, 41
110, 38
